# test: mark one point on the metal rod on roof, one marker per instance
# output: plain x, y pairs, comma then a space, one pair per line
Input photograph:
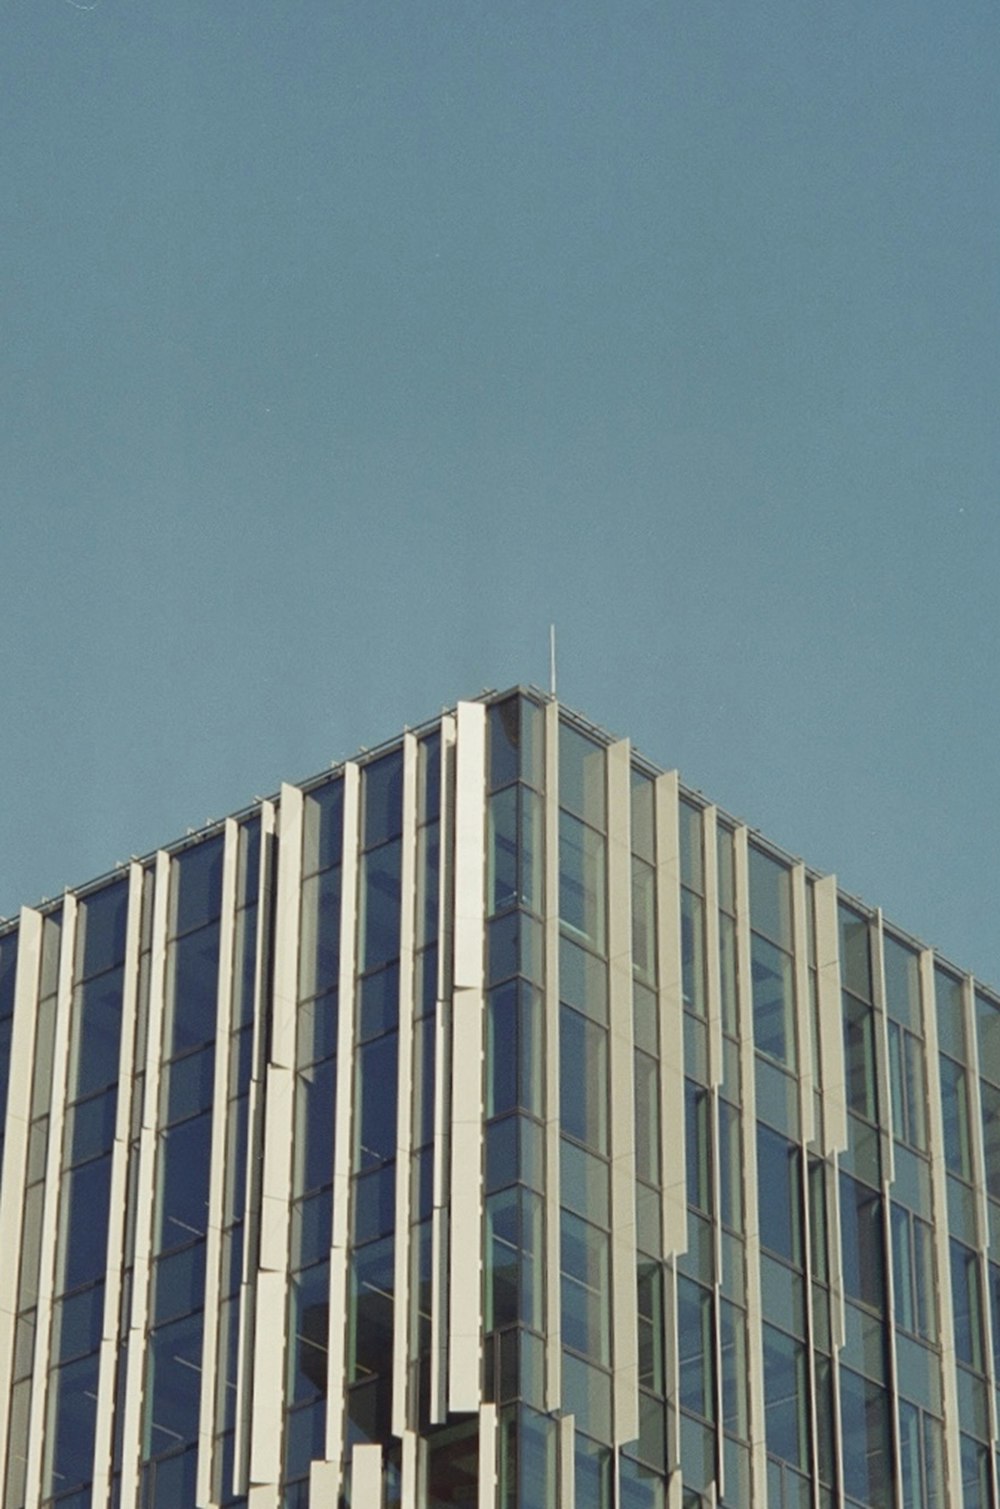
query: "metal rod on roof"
552, 659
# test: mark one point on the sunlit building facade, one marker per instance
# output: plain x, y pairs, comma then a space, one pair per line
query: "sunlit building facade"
491, 1121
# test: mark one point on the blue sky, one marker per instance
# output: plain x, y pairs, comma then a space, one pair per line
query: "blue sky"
346, 345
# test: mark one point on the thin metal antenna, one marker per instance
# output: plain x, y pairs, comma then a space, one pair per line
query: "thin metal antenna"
552, 660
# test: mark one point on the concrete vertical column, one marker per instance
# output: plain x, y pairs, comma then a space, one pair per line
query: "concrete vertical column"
50, 1209
216, 1185
267, 1405
748, 1078
15, 1152
145, 1183
624, 1317
255, 1145
553, 1255
337, 1334
119, 1194
466, 1241
982, 1217
442, 1084
404, 1093
942, 1254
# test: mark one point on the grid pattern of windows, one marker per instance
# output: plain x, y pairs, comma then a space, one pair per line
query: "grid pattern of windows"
736, 1153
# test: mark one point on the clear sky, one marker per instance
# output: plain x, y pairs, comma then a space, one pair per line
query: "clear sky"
345, 344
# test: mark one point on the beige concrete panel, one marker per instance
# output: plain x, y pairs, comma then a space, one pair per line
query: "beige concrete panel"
255, 1136
982, 1206
366, 1477
567, 1462
939, 1206
134, 1365
466, 1240
22, 1053
624, 1329
884, 1078
336, 1336
404, 1091
671, 1007
803, 1026
50, 1209
279, 1100
266, 1409
713, 966
487, 1457
470, 844
466, 1204
442, 1083
216, 1183
263, 1496
408, 1474
324, 1483
119, 1194
832, 1079
553, 1256
744, 1008
286, 928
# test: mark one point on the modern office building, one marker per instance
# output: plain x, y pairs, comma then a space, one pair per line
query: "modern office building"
492, 1122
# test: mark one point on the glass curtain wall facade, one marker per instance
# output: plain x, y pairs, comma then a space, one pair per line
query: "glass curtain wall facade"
493, 1121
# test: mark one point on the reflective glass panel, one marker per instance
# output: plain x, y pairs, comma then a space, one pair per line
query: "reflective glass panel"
582, 776
770, 898
196, 885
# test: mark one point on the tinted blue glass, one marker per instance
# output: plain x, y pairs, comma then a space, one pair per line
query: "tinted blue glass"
583, 1089
380, 899
786, 1408
773, 1001
323, 827
185, 1153
370, 1315
955, 1115
196, 885
101, 930
8, 970
582, 776
173, 1363
770, 898
502, 850
171, 1480
374, 1210
190, 1082
779, 1197
429, 777
378, 1002
314, 1111
91, 1126
504, 742
245, 965
304, 1439
375, 1104
317, 1029
179, 1283
695, 1332
967, 1305
697, 1146
96, 1029
309, 1330
855, 953
73, 1418
383, 799
311, 1229
862, 1242
319, 930
865, 1425
76, 1323
194, 965
249, 862
84, 1223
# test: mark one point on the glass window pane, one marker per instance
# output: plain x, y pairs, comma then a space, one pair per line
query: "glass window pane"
859, 1055
988, 1028
369, 1331
786, 1405
779, 1195
647, 1118
773, 1001
319, 932
955, 1114
72, 1424
192, 988
100, 939
583, 1088
502, 886
583, 980
770, 898
173, 1384
96, 1033
196, 885
379, 902
375, 1103
855, 952
185, 1153
581, 776
695, 1339
866, 1451
643, 816
322, 827
83, 1224
967, 1305
382, 799
693, 951
582, 881
644, 919
902, 982
948, 995
863, 1246
429, 778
